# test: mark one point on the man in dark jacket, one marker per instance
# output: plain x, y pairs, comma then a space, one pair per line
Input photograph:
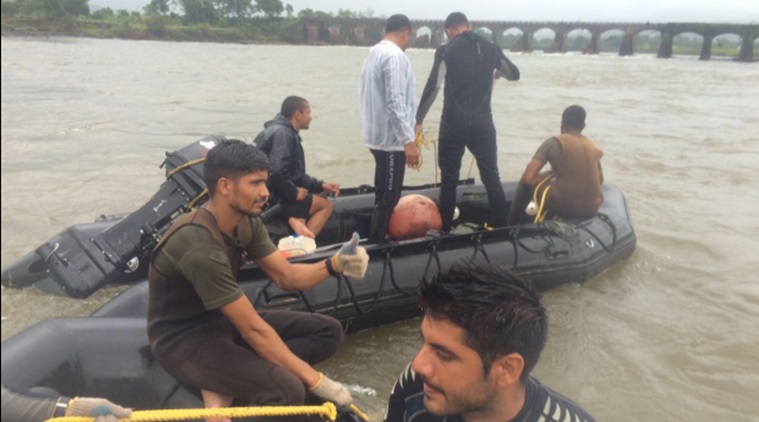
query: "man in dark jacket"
289, 184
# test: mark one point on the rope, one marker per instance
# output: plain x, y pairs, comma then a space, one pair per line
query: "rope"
184, 166
327, 411
421, 142
542, 210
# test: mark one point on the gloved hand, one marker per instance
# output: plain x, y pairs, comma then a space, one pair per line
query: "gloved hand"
351, 260
102, 409
332, 391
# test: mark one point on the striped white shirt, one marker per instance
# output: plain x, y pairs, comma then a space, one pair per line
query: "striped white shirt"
386, 98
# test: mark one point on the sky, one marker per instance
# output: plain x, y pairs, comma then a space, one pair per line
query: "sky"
714, 11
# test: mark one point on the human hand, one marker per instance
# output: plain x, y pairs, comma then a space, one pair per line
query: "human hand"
331, 188
332, 391
302, 193
102, 409
351, 260
412, 154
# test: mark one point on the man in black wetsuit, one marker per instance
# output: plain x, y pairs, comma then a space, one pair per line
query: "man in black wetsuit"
468, 64
483, 331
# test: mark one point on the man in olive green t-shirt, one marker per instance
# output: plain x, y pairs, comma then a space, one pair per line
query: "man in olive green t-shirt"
201, 326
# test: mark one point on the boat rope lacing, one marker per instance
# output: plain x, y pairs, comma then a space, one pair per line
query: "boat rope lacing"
327, 412
557, 236
541, 203
192, 202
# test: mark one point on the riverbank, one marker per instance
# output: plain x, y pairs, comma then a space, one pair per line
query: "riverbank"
157, 28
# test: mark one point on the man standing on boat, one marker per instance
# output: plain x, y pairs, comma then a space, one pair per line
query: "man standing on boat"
201, 326
483, 330
387, 106
467, 64
289, 184
572, 188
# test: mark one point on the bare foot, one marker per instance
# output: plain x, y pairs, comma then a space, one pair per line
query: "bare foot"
214, 401
299, 226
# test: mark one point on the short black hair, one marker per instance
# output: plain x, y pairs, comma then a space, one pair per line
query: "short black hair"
499, 311
573, 118
232, 158
455, 19
397, 23
291, 105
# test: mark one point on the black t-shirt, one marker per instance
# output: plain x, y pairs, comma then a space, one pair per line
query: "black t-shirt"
406, 404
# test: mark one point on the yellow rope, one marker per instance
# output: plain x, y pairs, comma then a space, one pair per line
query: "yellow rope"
327, 411
542, 209
194, 200
184, 166
364, 417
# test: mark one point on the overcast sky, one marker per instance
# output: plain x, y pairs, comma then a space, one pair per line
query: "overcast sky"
728, 11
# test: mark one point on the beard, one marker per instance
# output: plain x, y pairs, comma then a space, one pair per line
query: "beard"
460, 402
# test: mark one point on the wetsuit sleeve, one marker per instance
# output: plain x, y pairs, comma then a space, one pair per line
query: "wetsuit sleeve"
260, 245
395, 76
544, 404
432, 87
548, 150
282, 154
506, 68
26, 408
194, 255
396, 404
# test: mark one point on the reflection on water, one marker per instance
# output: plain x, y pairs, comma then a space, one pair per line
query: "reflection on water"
671, 334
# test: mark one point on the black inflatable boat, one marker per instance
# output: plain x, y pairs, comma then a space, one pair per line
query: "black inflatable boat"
115, 249
107, 354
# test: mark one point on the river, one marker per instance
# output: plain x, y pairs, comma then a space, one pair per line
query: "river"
671, 334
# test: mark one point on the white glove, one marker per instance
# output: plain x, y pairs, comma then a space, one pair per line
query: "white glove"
332, 391
102, 409
351, 260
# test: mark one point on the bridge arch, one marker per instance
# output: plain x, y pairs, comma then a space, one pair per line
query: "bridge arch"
578, 39
510, 38
423, 36
647, 41
610, 40
543, 38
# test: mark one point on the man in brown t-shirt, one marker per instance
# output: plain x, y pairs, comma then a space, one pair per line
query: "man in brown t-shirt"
572, 188
201, 326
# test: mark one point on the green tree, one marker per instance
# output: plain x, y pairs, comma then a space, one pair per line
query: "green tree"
199, 11
103, 13
158, 7
289, 10
270, 8
237, 8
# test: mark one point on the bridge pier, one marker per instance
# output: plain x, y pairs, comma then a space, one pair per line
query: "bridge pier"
665, 45
706, 48
592, 47
626, 49
559, 43
747, 49
523, 45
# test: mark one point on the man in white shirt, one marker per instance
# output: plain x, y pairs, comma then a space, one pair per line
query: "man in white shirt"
388, 115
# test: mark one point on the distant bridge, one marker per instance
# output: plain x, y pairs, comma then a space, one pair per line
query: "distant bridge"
369, 31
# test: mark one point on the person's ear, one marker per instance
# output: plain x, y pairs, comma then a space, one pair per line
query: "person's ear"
224, 186
507, 370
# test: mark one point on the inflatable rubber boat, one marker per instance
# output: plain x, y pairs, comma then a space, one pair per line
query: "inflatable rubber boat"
108, 355
115, 249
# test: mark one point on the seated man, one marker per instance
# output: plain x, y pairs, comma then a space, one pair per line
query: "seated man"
574, 183
289, 184
483, 330
204, 331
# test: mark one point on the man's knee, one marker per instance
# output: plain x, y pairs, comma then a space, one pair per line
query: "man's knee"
321, 203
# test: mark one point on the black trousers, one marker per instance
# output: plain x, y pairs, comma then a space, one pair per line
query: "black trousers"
478, 135
389, 169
